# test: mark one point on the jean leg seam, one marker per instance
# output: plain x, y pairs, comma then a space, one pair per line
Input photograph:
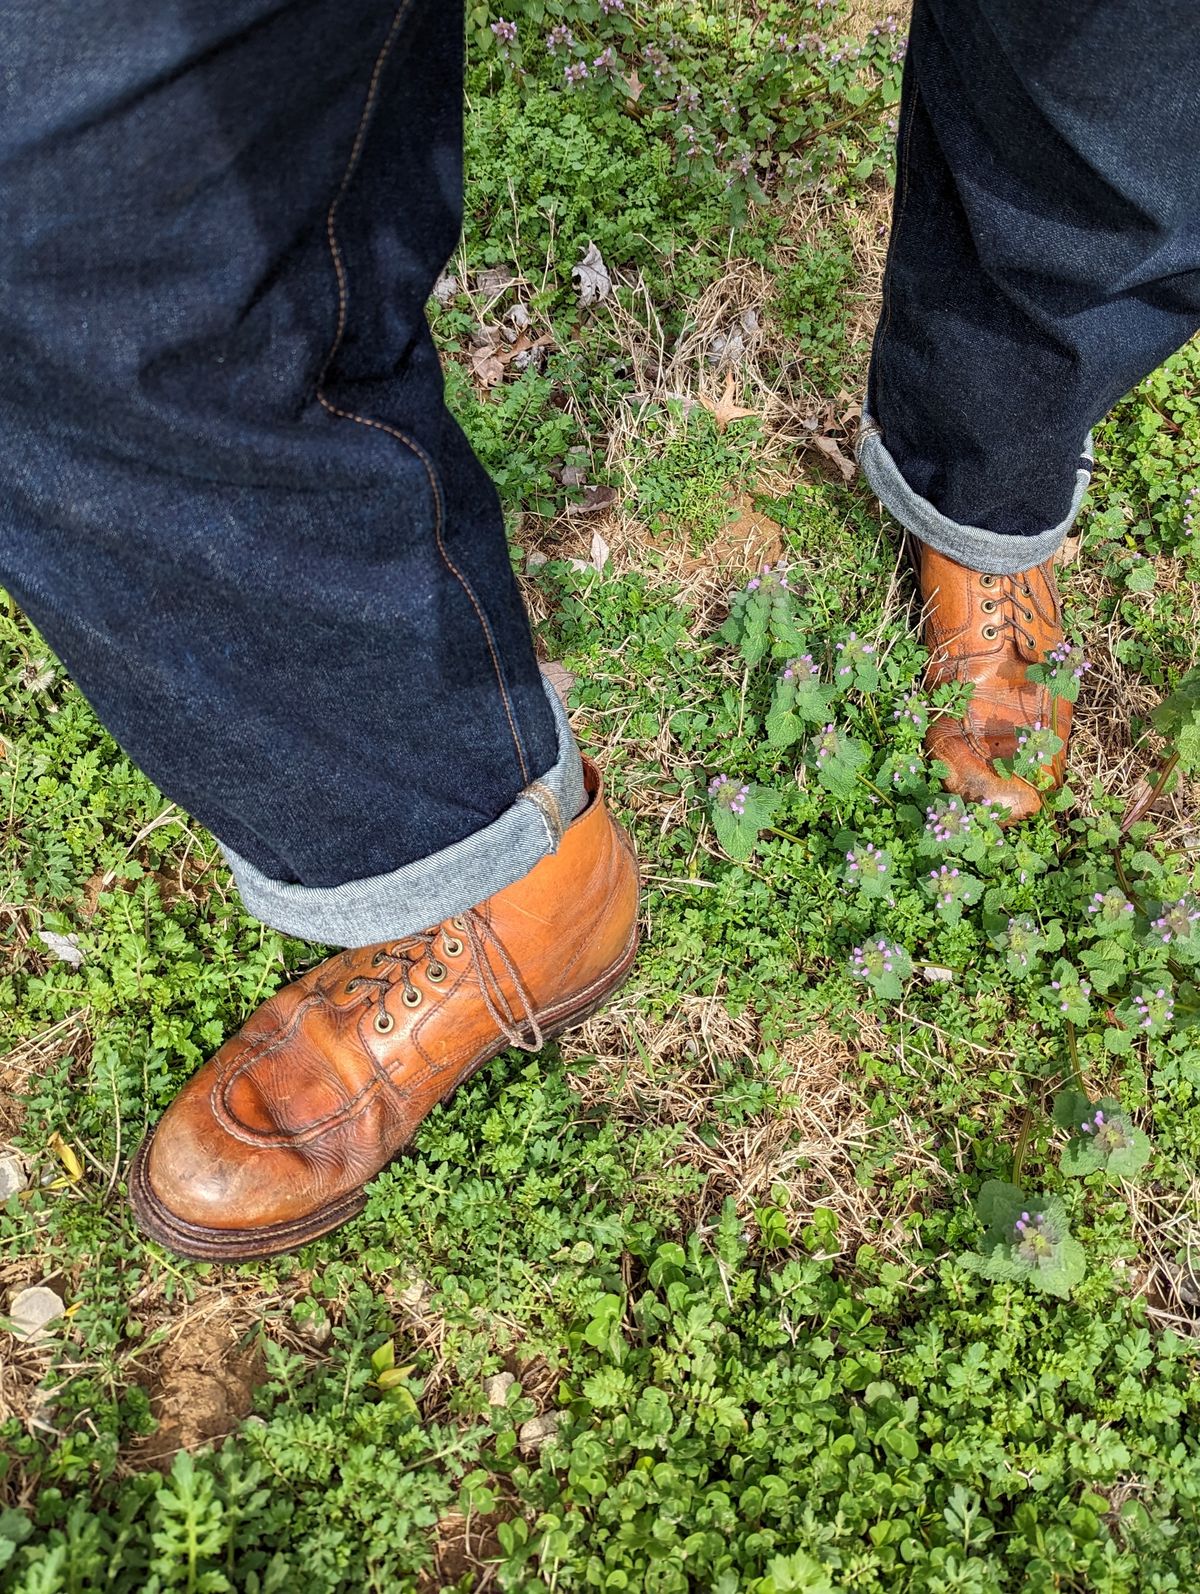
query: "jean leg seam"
339, 267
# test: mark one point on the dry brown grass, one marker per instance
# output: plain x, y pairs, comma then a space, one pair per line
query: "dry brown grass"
668, 1073
1166, 1227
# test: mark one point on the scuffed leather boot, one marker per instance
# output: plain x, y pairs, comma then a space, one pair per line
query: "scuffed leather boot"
271, 1143
988, 629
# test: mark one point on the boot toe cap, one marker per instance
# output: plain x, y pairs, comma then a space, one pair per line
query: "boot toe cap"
973, 776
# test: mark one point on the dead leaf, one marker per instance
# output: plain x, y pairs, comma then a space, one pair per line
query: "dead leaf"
560, 679
724, 410
494, 279
599, 555
488, 367
445, 288
633, 87
1069, 552
828, 447
594, 498
572, 476
516, 319
591, 278
489, 360
64, 947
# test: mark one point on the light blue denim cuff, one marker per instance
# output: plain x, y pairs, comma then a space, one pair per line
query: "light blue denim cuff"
422, 894
972, 546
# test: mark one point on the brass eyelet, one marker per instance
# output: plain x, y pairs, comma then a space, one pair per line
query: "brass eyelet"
989, 633
384, 1022
451, 946
378, 959
1028, 613
989, 606
987, 581
351, 985
412, 997
436, 973
458, 924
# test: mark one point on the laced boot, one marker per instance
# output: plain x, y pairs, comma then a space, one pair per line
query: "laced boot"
271, 1143
987, 629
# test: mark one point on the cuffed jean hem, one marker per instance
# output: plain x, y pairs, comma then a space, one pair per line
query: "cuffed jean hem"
972, 546
422, 894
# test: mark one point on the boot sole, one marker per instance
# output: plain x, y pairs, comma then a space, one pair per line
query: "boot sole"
248, 1245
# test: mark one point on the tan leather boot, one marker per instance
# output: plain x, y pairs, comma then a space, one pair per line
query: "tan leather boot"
988, 629
271, 1143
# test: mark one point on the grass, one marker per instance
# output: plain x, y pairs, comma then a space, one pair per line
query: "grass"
730, 1240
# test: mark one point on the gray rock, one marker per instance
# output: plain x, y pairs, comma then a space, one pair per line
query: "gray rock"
496, 1388
538, 1430
13, 1178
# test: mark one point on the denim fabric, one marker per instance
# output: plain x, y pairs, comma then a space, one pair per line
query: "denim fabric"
431, 889
973, 546
231, 495
1045, 255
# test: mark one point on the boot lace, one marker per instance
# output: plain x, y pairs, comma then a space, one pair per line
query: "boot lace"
470, 933
1010, 603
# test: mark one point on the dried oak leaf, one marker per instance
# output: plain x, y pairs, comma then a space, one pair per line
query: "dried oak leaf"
593, 499
591, 278
724, 410
828, 447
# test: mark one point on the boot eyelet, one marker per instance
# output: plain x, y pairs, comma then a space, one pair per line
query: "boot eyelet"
989, 606
436, 973
987, 581
989, 633
351, 985
452, 946
457, 924
378, 959
384, 1022
412, 997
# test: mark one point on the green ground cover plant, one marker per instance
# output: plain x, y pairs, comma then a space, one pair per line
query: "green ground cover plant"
853, 1248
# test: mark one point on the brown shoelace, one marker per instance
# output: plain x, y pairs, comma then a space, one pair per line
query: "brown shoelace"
1010, 605
475, 936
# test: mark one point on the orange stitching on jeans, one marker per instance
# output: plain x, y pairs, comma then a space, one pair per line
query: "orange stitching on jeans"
339, 267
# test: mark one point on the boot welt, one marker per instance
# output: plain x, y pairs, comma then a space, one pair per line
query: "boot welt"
245, 1245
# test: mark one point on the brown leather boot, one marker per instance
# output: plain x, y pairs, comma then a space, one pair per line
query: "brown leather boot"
271, 1143
988, 629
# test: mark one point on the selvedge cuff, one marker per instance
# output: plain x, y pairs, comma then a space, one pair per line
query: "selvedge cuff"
387, 906
973, 546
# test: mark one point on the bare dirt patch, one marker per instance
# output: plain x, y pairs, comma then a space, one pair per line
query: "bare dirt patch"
202, 1387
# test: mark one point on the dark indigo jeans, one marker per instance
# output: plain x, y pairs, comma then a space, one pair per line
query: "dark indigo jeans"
1045, 256
231, 495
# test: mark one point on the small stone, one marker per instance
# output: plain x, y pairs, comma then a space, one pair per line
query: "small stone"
13, 1178
496, 1388
534, 1433
30, 1310
445, 288
317, 1332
